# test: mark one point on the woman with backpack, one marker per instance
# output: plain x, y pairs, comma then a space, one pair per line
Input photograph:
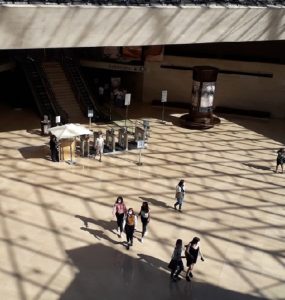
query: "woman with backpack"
130, 226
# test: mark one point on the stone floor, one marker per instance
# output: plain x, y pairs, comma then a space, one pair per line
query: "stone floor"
234, 203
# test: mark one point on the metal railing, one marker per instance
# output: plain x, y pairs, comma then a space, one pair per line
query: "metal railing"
263, 3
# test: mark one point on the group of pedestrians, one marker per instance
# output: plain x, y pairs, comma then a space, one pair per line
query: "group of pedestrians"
127, 222
192, 252
127, 219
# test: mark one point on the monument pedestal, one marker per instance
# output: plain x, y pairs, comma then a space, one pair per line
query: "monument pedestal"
203, 90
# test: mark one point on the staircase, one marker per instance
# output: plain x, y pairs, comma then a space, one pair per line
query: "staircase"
63, 91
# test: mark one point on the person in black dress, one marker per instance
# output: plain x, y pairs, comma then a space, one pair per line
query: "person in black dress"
53, 144
191, 253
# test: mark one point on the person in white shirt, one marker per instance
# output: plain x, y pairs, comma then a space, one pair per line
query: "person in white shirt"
99, 145
179, 195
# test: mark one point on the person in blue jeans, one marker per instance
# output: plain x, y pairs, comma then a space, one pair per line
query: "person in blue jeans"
179, 195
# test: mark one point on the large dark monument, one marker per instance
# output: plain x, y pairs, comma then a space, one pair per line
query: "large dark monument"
202, 103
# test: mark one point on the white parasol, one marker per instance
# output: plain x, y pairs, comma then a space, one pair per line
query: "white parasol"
69, 131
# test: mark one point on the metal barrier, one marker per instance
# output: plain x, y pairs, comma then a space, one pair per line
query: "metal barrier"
95, 136
84, 145
123, 138
111, 140
139, 134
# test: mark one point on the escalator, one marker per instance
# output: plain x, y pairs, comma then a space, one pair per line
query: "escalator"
81, 90
41, 90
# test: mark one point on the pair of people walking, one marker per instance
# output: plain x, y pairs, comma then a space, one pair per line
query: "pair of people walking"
191, 254
127, 219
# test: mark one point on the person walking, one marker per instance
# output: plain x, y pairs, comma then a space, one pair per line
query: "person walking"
119, 211
130, 226
179, 195
191, 253
145, 218
176, 263
53, 144
280, 159
99, 145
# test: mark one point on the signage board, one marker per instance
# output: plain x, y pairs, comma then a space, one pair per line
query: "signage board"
164, 96
140, 144
127, 99
90, 113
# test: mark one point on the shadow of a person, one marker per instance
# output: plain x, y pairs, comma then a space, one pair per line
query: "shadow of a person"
107, 225
155, 202
153, 262
99, 234
257, 167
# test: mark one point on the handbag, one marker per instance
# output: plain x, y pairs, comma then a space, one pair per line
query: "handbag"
173, 264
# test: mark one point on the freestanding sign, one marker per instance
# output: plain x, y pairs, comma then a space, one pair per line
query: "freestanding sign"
163, 100
57, 120
127, 99
164, 96
90, 116
127, 103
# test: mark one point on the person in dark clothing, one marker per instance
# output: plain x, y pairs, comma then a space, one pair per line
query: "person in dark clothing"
176, 263
53, 144
191, 253
131, 223
145, 218
280, 159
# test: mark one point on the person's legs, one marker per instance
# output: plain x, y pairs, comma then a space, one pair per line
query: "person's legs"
132, 229
180, 204
176, 203
172, 273
127, 233
144, 224
120, 219
100, 155
118, 222
277, 165
56, 155
179, 270
53, 154
189, 272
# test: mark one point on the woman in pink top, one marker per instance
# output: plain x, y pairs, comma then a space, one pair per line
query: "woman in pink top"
120, 210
